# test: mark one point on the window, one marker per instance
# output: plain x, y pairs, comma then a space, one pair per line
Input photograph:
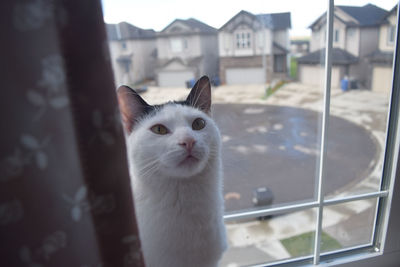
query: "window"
176, 45
336, 38
243, 40
307, 169
123, 45
185, 44
391, 34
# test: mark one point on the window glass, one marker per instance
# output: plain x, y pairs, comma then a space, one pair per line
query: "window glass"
350, 224
271, 238
361, 87
268, 103
391, 34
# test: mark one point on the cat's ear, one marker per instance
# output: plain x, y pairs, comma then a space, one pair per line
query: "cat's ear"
200, 95
131, 106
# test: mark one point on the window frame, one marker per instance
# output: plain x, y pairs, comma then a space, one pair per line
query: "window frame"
391, 34
243, 40
384, 195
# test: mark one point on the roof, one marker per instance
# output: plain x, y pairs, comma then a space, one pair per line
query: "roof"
393, 11
124, 31
300, 42
276, 21
195, 25
278, 49
368, 15
379, 56
188, 62
339, 57
273, 21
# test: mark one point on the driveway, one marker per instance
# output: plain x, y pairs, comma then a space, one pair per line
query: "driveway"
278, 147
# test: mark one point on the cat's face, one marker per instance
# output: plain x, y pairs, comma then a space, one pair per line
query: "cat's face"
178, 141
175, 139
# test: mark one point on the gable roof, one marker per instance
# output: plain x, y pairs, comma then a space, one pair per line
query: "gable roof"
276, 21
194, 25
339, 57
366, 16
273, 21
125, 31
393, 11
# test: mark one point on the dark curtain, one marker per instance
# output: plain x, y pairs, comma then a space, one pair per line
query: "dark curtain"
65, 195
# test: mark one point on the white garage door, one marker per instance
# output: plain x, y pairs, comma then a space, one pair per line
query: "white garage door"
174, 78
382, 79
244, 76
315, 75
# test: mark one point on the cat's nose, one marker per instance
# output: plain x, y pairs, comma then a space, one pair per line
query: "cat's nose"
188, 143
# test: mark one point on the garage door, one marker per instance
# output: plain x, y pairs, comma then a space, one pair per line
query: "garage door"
244, 75
174, 78
314, 75
382, 79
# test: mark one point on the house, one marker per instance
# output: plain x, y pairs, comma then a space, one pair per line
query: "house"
254, 48
299, 47
355, 36
187, 49
382, 59
133, 53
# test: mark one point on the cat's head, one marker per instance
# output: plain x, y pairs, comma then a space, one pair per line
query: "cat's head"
177, 139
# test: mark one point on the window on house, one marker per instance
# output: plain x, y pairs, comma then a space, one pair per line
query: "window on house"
391, 34
243, 40
185, 44
336, 36
176, 45
123, 45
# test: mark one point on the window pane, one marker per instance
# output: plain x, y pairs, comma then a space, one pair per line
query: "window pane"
270, 127
349, 224
270, 239
361, 85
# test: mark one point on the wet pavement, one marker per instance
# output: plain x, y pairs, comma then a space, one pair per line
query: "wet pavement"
278, 147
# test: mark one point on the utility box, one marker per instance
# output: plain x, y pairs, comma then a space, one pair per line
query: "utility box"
262, 196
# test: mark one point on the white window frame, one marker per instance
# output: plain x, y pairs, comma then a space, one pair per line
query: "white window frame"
243, 40
384, 195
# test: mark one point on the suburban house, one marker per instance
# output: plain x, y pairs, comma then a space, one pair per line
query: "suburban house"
186, 49
355, 36
299, 47
254, 48
382, 59
133, 53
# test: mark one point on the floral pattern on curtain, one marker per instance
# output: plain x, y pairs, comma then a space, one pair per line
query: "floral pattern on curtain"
65, 195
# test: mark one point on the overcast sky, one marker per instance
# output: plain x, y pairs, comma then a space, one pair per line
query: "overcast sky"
157, 14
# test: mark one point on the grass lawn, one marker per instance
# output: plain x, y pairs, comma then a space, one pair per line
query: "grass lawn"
293, 67
301, 245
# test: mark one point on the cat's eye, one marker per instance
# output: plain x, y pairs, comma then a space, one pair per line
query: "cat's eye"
198, 124
159, 129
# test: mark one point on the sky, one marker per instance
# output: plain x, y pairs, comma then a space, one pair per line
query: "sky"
157, 14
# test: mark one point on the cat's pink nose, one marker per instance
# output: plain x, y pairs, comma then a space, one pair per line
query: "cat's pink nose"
188, 143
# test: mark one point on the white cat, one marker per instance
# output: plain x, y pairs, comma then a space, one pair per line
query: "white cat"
174, 153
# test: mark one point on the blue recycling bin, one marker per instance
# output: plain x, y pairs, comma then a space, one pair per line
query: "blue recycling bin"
344, 84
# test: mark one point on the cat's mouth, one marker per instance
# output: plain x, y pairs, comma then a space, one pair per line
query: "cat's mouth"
189, 160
